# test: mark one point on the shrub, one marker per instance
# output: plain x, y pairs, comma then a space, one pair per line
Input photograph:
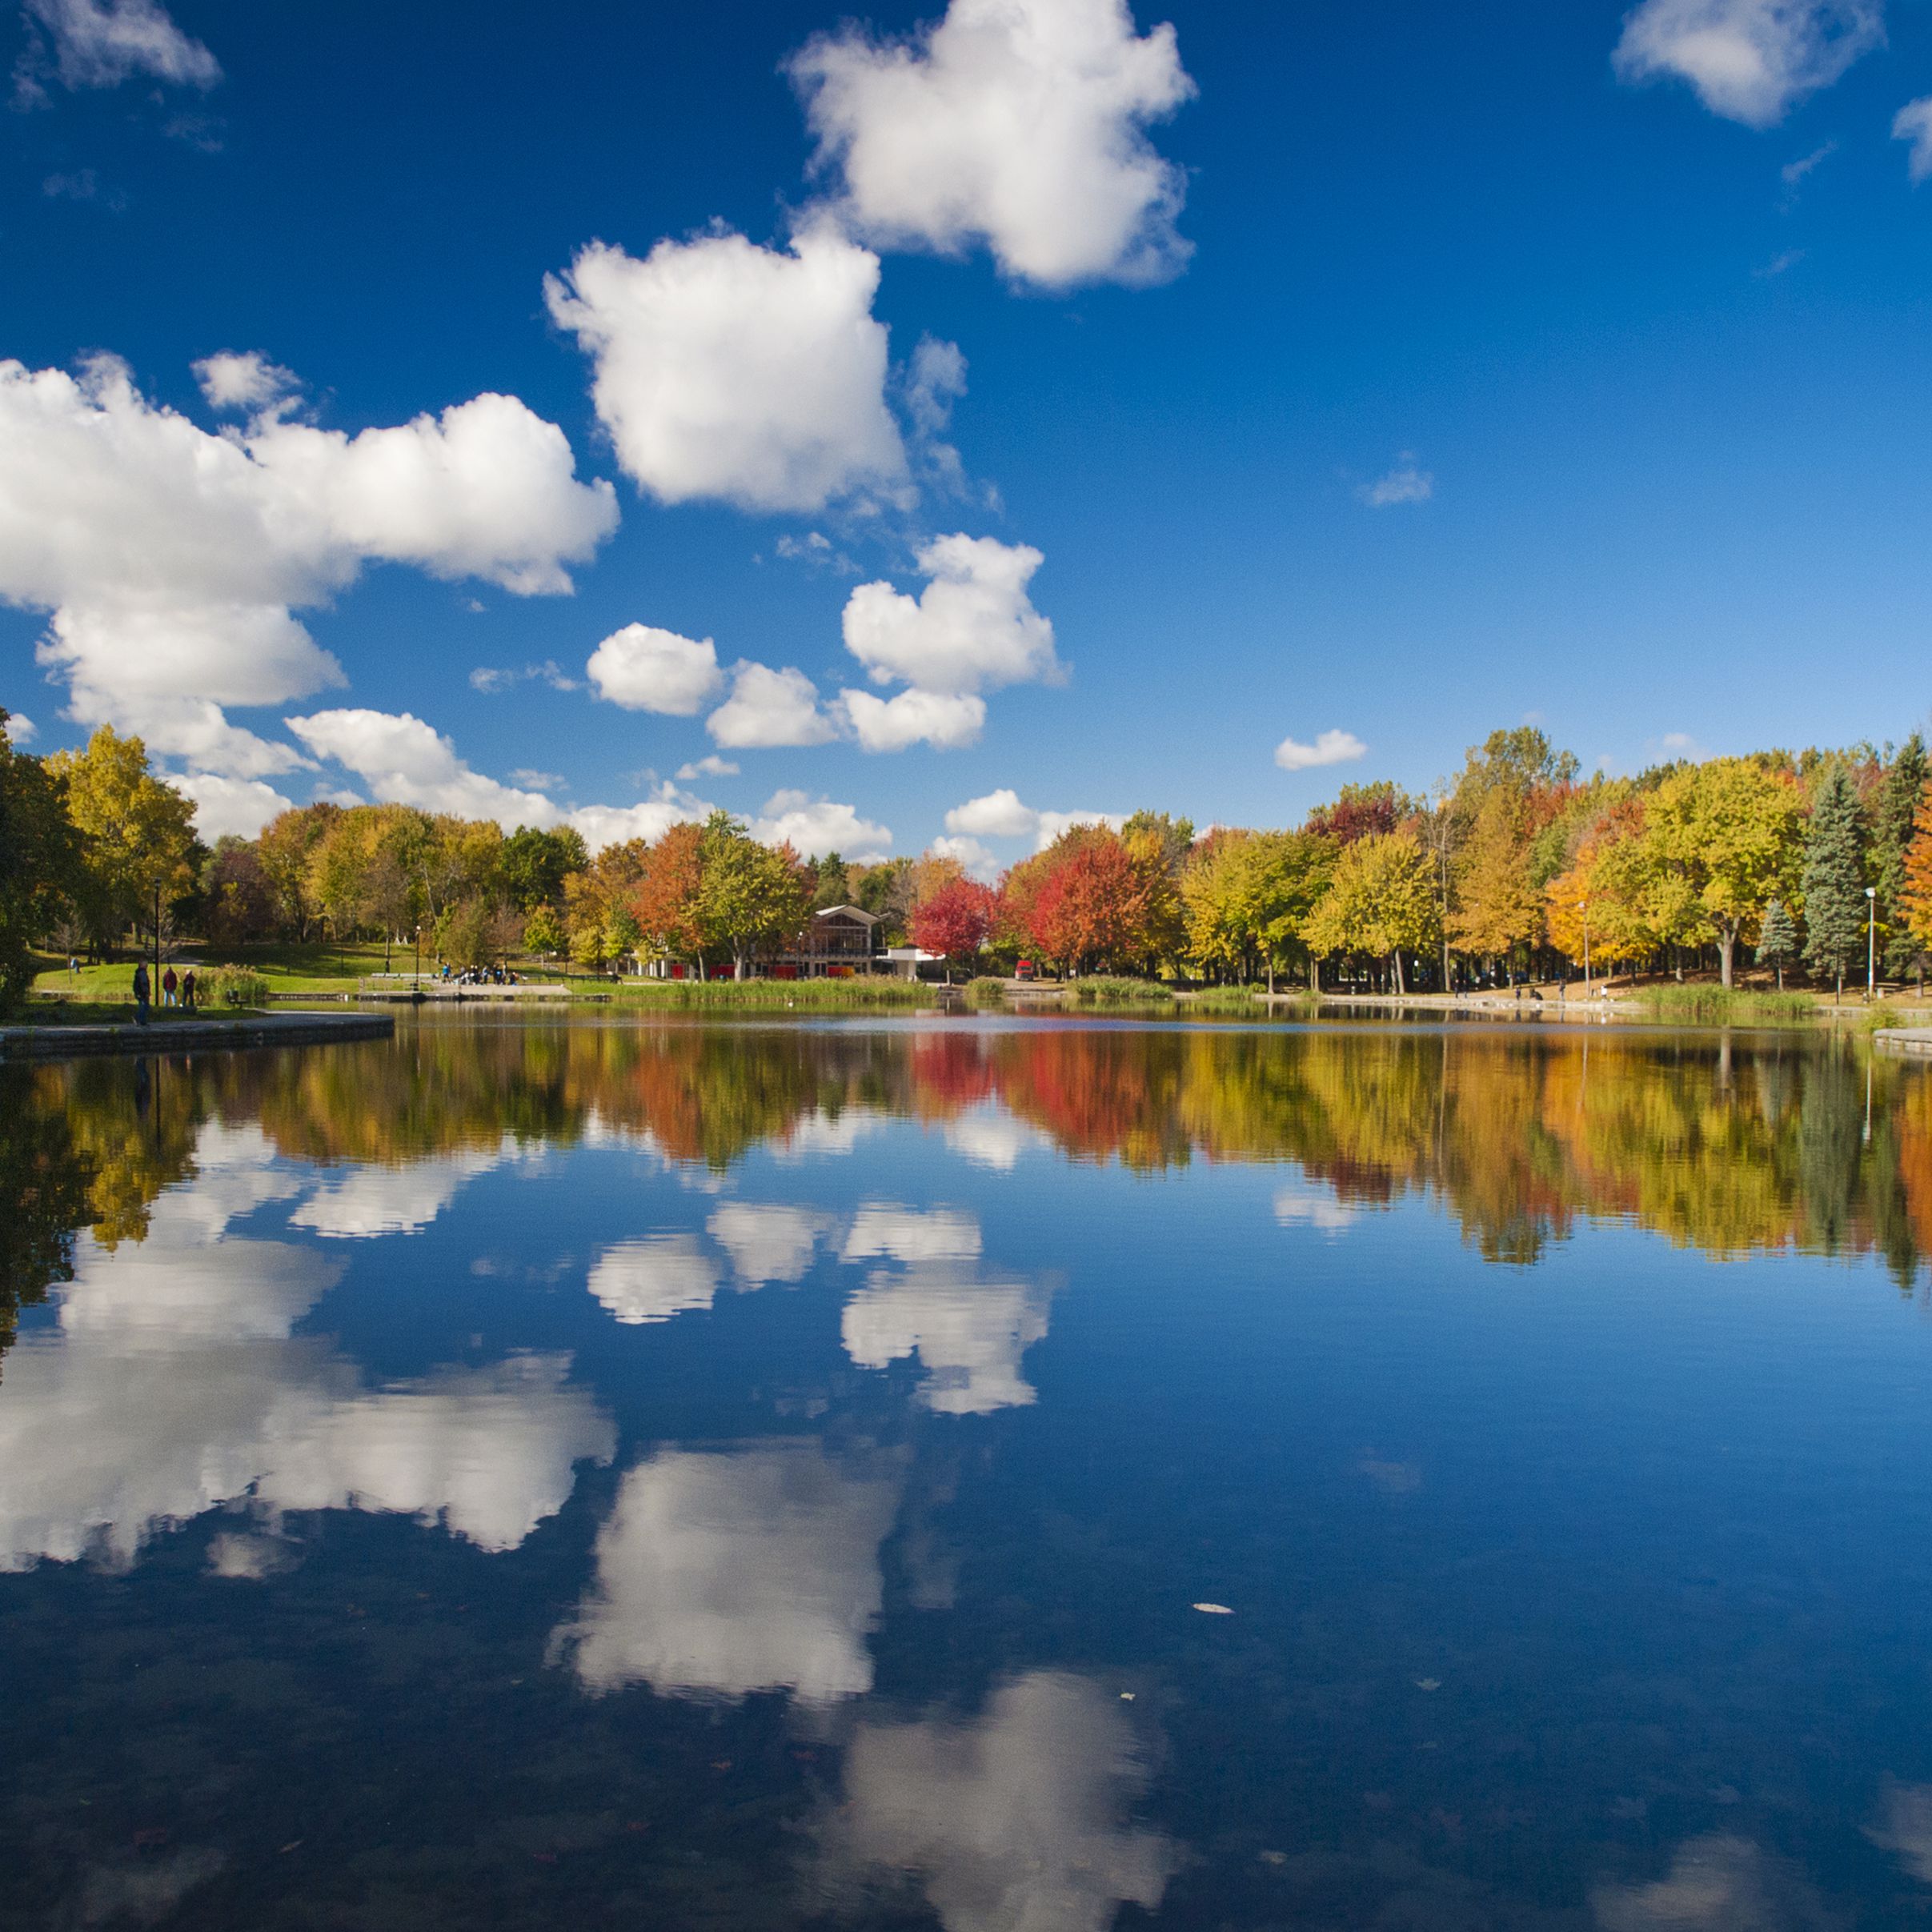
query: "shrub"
1100, 990
986, 990
232, 986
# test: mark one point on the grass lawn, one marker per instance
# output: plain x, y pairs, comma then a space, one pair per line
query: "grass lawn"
287, 968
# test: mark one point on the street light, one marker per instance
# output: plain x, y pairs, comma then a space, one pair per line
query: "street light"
1871, 943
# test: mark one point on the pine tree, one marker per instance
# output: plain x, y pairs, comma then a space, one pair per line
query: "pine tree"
1834, 879
1898, 801
1778, 942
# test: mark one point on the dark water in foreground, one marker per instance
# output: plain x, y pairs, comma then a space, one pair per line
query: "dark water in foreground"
614, 1476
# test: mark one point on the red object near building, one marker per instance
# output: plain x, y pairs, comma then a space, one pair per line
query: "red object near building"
1023, 969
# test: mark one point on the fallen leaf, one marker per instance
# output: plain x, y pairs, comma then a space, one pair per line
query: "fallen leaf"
1214, 1610
293, 1845
1429, 1683
1127, 1697
1274, 1857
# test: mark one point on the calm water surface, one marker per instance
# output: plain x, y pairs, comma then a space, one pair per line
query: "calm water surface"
1018, 1477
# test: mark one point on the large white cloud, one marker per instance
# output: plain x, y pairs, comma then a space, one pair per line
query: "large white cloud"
405, 761
1013, 1821
769, 707
749, 374
650, 819
728, 1573
1020, 123
1001, 815
241, 806
971, 628
100, 43
913, 717
171, 559
644, 668
814, 827
1748, 60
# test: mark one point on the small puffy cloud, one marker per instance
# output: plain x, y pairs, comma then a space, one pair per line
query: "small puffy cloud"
972, 628
654, 1279
241, 806
980, 863
1402, 483
20, 728
933, 383
1779, 263
880, 1230
711, 765
101, 43
171, 560
911, 717
1748, 60
1912, 123
404, 760
769, 707
1330, 748
747, 374
247, 384
768, 1241
1309, 1205
602, 825
999, 814
814, 827
538, 781
490, 679
644, 668
1019, 123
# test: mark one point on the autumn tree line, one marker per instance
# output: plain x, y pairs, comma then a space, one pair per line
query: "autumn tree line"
1794, 862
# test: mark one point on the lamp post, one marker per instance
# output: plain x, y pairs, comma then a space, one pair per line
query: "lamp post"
1871, 943
416, 984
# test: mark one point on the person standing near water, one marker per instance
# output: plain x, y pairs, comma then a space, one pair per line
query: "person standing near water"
168, 984
141, 994
187, 989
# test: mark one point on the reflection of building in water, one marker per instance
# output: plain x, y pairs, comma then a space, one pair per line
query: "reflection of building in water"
729, 1572
968, 1330
1013, 1823
174, 1383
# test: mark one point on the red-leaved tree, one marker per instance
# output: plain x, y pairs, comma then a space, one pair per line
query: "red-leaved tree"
953, 920
1085, 900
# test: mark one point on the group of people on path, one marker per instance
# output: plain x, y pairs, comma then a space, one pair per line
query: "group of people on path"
179, 991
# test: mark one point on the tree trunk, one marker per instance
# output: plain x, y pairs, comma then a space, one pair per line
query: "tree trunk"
1396, 958
1727, 940
1270, 977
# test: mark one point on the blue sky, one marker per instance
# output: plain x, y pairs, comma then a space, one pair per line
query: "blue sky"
1641, 343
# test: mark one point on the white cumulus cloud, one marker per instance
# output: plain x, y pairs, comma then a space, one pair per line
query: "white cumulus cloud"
644, 668
404, 760
649, 820
769, 707
1748, 60
655, 1278
727, 371
241, 806
910, 717
814, 827
1334, 747
980, 863
1019, 123
998, 814
100, 43
972, 628
21, 729
171, 560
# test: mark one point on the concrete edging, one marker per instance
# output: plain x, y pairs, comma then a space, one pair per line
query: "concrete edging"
192, 1036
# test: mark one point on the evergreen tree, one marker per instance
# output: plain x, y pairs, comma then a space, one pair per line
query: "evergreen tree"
1892, 833
1778, 942
1834, 879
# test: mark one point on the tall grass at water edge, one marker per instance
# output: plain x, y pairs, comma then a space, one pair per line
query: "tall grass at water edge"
766, 995
1715, 1006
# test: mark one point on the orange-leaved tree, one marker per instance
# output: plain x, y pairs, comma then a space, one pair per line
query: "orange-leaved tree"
953, 921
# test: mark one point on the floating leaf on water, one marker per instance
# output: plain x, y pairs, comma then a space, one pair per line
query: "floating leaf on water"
1214, 1610
1429, 1683
1127, 1697
1274, 1857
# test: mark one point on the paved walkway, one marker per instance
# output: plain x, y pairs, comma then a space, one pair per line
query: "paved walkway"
215, 1033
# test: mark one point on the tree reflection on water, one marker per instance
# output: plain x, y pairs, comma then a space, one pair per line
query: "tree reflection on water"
1731, 1146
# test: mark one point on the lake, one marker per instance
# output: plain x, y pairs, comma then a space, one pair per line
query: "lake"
1013, 1476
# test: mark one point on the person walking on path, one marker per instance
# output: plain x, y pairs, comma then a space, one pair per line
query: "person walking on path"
169, 986
141, 994
187, 989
